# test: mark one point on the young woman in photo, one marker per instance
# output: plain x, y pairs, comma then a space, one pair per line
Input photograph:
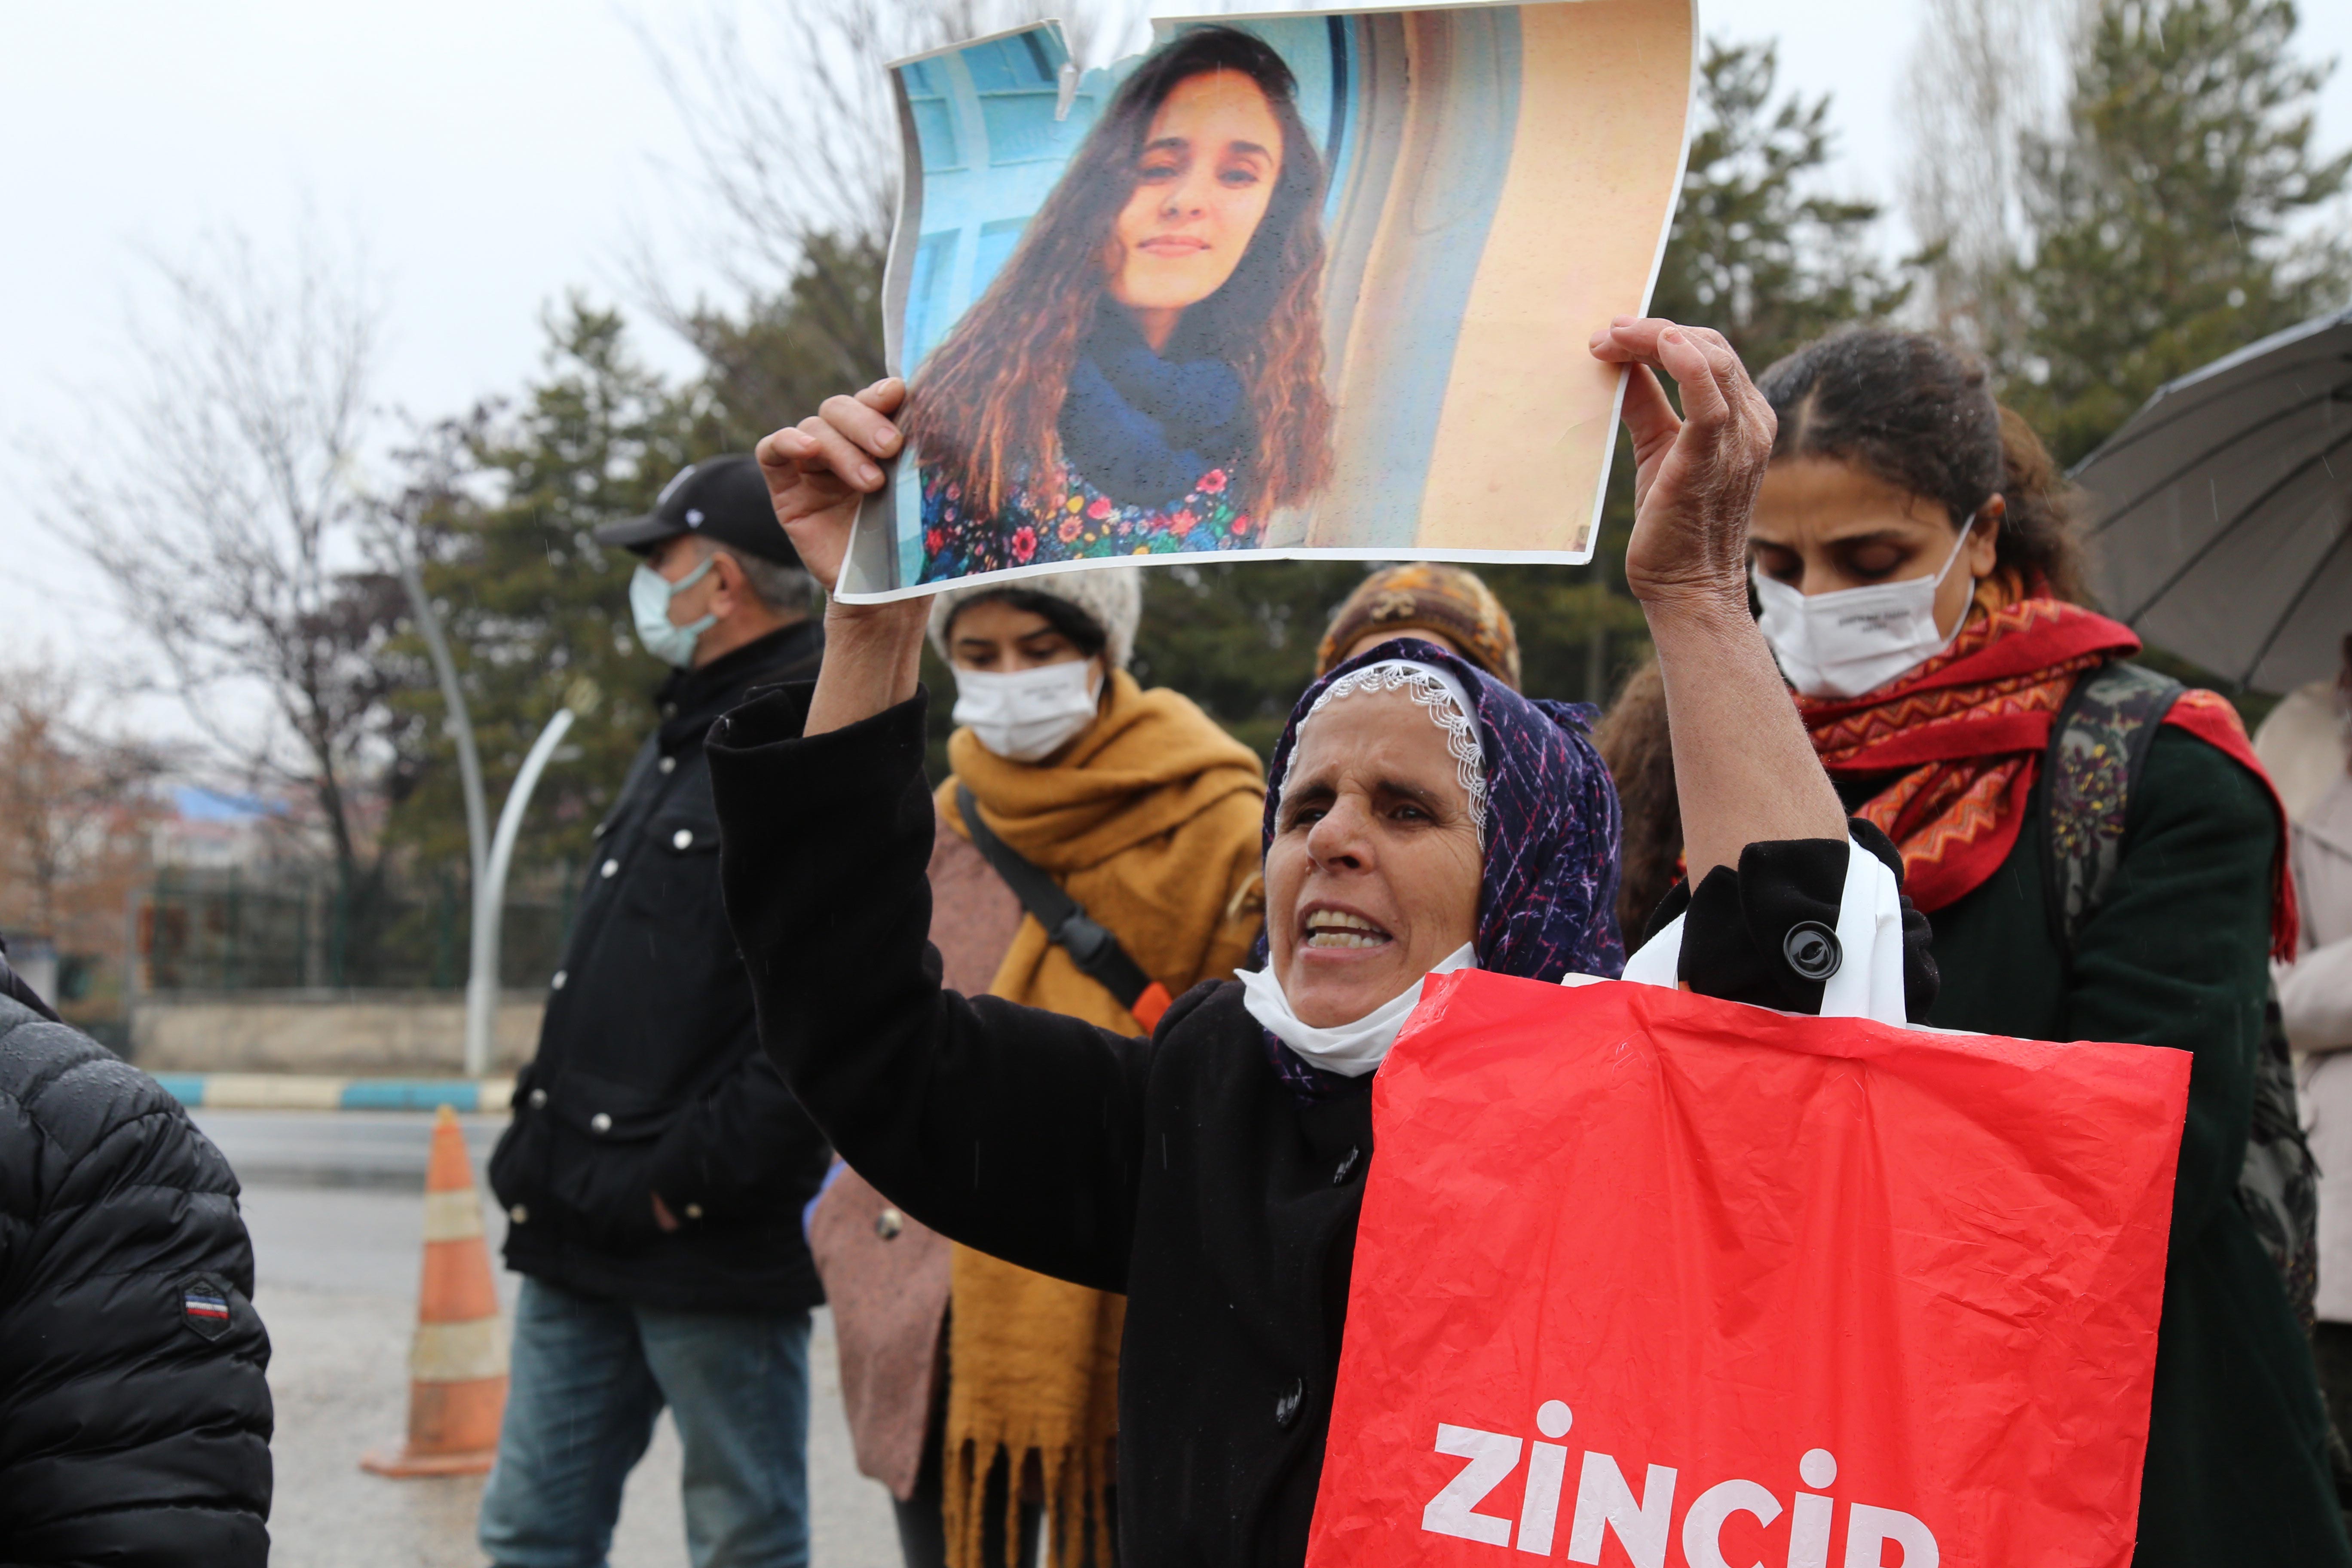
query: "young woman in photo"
1145, 377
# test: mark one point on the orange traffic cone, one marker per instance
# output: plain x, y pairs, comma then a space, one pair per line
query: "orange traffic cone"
457, 1362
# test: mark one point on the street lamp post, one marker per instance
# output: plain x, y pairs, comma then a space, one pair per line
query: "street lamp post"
489, 899
460, 723
489, 856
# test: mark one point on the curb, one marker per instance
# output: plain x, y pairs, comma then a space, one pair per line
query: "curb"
297, 1091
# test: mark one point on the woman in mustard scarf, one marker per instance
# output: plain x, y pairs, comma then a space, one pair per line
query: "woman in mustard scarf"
1146, 814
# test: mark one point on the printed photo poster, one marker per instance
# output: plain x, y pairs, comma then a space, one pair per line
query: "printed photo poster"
1296, 285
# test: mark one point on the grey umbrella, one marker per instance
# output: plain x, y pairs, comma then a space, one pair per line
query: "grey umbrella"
2223, 511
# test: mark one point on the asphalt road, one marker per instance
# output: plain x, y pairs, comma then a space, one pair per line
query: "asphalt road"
334, 1202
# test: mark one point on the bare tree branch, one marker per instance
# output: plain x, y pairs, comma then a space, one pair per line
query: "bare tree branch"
65, 788
789, 112
1983, 75
226, 518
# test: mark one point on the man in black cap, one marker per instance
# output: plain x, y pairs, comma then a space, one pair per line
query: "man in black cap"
656, 1167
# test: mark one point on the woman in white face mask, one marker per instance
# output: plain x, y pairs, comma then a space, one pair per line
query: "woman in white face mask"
1030, 668
2097, 849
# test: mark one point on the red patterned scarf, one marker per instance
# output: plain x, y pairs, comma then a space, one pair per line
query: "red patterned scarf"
1968, 730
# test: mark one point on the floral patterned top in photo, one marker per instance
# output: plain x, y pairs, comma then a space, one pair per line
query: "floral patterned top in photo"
1074, 522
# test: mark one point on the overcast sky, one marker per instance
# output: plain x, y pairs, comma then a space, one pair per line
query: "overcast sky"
490, 155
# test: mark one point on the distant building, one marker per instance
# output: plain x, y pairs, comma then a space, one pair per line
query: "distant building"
206, 830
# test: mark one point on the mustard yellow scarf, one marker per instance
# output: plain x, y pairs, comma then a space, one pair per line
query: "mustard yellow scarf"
1151, 821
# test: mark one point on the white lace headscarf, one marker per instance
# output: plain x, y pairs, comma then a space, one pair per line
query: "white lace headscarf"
1442, 693
1357, 1049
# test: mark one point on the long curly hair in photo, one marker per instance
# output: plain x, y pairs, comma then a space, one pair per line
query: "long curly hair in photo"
984, 406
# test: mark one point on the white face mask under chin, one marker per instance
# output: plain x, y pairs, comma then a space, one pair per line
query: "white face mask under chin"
1351, 1050
1027, 715
1856, 640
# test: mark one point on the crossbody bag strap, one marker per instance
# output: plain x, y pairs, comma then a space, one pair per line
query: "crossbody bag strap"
1090, 943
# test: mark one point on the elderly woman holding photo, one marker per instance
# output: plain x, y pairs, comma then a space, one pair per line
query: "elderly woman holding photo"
1422, 816
1146, 375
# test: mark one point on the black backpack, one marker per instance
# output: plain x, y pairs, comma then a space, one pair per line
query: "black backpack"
2097, 748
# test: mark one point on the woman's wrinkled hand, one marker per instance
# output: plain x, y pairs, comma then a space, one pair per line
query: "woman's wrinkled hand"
819, 473
1695, 475
821, 470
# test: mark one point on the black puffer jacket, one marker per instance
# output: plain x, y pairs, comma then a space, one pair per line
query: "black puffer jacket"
649, 1077
135, 1418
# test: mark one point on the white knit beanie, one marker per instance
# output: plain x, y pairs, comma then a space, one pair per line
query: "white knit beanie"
1110, 596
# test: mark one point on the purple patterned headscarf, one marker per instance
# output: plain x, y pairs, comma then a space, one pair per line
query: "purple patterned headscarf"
1547, 899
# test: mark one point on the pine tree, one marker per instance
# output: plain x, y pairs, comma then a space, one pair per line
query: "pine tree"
537, 613
1759, 251
2162, 215
780, 356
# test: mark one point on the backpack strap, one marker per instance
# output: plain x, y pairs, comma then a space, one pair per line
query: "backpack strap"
1090, 943
2098, 749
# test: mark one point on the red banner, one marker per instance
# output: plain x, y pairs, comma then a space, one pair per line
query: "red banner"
1648, 1278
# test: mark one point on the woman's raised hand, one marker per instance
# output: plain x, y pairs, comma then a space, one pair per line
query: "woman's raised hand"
1695, 475
819, 471
1744, 770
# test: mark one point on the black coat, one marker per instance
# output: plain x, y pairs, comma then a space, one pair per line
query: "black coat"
1180, 1169
135, 1413
649, 1077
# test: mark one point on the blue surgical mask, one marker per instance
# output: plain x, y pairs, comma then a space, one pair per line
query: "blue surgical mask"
649, 596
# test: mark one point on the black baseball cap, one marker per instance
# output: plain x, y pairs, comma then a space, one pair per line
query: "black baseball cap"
724, 499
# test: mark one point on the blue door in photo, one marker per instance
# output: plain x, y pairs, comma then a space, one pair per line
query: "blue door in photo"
994, 139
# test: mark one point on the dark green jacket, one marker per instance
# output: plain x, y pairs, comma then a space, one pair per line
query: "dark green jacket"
2176, 955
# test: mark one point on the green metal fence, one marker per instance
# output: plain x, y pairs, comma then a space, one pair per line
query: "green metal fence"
231, 931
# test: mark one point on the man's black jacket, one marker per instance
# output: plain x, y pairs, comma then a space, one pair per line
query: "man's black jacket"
134, 1410
649, 1077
